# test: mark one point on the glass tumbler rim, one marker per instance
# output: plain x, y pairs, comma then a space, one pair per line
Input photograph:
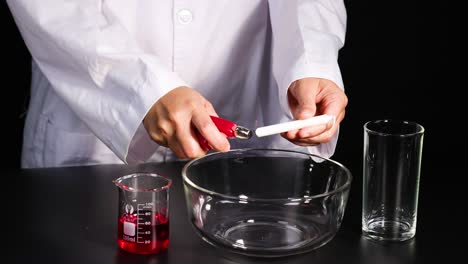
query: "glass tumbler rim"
345, 186
419, 128
118, 182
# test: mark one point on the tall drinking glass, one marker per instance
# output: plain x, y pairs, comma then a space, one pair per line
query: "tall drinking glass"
391, 174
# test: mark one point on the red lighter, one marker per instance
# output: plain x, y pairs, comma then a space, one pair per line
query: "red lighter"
230, 129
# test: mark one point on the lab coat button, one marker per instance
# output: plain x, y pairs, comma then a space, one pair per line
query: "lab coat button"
184, 16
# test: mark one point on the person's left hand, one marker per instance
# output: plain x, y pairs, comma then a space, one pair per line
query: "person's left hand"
310, 97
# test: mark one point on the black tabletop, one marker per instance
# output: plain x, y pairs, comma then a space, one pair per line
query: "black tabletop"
69, 215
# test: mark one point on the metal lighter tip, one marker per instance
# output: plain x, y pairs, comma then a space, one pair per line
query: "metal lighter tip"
242, 132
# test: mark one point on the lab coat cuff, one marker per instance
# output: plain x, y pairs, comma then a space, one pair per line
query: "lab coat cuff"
142, 148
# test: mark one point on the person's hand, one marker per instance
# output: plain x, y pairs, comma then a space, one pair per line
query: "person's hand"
310, 97
171, 122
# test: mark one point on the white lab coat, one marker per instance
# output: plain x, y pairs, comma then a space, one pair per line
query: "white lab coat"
98, 67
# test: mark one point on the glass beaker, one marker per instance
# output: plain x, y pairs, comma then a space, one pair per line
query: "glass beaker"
143, 218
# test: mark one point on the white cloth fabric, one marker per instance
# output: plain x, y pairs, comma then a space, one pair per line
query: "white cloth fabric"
98, 67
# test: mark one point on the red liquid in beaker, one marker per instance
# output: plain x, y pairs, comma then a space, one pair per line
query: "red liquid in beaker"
146, 236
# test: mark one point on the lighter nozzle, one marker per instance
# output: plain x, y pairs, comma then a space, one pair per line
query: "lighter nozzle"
242, 132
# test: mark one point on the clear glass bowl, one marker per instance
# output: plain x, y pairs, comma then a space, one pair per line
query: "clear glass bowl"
266, 202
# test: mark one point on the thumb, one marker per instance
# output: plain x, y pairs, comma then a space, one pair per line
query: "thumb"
302, 100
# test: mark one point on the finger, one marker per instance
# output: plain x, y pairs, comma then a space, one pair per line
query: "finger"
312, 131
304, 95
309, 131
185, 142
206, 127
210, 109
316, 137
159, 132
304, 144
334, 103
305, 132
174, 145
327, 135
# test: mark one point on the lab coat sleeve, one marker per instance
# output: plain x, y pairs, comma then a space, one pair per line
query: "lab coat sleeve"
307, 35
95, 66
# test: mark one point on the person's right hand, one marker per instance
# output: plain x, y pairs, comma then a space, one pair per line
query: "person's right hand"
172, 120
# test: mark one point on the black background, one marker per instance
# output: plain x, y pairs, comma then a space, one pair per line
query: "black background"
392, 65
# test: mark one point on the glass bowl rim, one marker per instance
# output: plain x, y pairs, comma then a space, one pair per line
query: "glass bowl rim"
340, 189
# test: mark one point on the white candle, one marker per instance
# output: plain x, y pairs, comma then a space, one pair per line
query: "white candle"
293, 125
